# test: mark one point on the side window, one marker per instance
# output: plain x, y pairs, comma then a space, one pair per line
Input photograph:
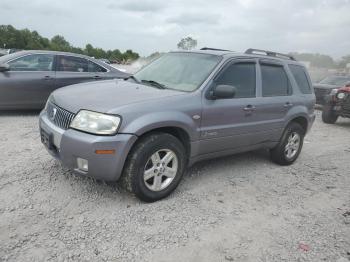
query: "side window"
301, 78
39, 62
96, 68
275, 81
72, 64
242, 76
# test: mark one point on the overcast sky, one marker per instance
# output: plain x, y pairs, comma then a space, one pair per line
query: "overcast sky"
157, 25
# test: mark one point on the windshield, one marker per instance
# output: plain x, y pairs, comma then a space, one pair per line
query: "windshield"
335, 80
179, 71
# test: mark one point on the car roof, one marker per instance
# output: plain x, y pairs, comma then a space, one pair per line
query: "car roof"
20, 53
229, 54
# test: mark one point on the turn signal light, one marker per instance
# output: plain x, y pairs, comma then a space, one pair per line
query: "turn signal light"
105, 152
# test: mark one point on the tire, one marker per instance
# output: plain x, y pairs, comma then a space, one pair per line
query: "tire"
280, 154
143, 177
328, 115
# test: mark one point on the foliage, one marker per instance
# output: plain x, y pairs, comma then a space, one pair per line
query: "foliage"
187, 43
25, 39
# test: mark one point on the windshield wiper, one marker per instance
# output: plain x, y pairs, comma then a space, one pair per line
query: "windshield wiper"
133, 78
154, 83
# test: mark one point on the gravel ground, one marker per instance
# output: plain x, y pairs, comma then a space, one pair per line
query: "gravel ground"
239, 208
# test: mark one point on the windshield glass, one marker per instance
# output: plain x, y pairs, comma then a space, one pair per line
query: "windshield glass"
179, 71
335, 80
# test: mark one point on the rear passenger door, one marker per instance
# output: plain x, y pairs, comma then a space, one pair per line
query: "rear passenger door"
72, 70
97, 71
276, 98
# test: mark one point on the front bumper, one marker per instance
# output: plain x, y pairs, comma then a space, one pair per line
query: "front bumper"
68, 145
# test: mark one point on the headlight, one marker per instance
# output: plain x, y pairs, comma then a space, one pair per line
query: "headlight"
333, 92
341, 95
96, 123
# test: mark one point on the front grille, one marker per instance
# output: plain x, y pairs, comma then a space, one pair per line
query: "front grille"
345, 105
59, 116
320, 94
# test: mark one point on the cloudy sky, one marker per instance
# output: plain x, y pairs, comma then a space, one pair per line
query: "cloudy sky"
157, 25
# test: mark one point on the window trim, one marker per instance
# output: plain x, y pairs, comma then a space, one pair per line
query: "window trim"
227, 64
99, 66
306, 76
275, 64
89, 60
19, 57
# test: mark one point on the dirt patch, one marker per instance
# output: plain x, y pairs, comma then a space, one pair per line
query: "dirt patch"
239, 208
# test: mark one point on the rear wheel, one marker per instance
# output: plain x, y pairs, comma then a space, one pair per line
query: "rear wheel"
328, 115
154, 167
290, 145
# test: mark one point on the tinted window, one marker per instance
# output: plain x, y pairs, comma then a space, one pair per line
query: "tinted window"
72, 64
32, 63
274, 80
95, 67
242, 76
301, 79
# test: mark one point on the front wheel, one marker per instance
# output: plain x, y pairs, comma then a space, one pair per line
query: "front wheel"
290, 145
328, 115
154, 167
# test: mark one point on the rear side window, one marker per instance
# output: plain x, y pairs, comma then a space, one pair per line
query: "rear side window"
96, 68
242, 76
274, 80
72, 64
301, 78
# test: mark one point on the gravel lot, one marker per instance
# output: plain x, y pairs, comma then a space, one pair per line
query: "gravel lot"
239, 208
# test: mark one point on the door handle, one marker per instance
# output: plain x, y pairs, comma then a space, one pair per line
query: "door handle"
288, 104
249, 108
48, 78
96, 77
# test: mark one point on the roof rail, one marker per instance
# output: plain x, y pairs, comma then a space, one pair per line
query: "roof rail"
214, 49
269, 53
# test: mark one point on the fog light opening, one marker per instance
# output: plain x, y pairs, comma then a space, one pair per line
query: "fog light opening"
83, 164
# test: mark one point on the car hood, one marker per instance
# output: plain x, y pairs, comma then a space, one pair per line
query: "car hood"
105, 96
324, 86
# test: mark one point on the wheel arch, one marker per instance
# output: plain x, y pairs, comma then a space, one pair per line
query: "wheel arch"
301, 120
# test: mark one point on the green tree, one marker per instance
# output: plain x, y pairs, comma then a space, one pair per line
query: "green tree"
187, 43
10, 37
58, 43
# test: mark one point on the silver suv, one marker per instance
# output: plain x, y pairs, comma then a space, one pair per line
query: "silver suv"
180, 109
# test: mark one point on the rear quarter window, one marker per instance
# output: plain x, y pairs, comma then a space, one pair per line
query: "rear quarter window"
275, 81
300, 77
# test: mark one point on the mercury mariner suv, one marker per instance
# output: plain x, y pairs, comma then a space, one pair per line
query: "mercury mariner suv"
180, 109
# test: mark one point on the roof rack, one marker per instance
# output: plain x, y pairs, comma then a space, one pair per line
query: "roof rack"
269, 53
214, 49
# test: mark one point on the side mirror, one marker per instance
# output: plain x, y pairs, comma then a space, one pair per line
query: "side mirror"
4, 67
223, 92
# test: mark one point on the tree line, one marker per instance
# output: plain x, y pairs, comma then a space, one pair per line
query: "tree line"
11, 37
25, 39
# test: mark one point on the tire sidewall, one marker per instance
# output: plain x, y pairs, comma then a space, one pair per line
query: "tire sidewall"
328, 115
291, 129
152, 145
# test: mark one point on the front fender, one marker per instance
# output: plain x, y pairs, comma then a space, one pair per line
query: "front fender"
151, 121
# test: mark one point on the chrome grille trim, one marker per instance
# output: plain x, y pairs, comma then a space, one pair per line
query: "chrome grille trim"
59, 116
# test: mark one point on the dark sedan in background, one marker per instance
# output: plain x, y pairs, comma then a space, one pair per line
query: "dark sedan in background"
324, 87
27, 78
